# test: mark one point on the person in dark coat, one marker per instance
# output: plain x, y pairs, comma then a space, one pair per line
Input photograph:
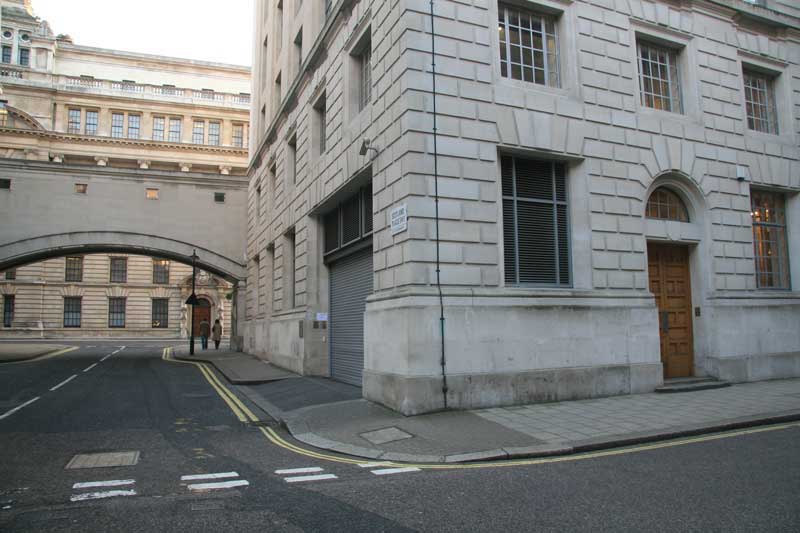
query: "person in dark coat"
216, 333
205, 331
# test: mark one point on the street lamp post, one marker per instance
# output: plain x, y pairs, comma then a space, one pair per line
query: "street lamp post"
192, 300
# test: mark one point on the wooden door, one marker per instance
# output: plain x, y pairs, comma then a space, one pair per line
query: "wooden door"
668, 267
201, 310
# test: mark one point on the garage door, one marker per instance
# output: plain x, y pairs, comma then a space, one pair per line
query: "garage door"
351, 283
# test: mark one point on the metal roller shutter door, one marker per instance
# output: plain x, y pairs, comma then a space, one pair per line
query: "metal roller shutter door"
351, 283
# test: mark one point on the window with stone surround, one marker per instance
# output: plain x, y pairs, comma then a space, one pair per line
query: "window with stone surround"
759, 99
119, 270
73, 269
74, 121
768, 210
175, 130
11, 274
291, 159
198, 132
160, 313
134, 125
160, 271
6, 54
158, 128
238, 135
117, 124
72, 311
213, 133
25, 57
365, 75
320, 120
659, 77
116, 312
666, 205
91, 122
8, 310
535, 222
528, 46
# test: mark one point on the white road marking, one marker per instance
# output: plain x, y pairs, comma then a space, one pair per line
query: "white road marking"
220, 475
386, 471
112, 353
371, 465
109, 483
318, 477
73, 376
219, 485
299, 470
17, 408
90, 367
103, 494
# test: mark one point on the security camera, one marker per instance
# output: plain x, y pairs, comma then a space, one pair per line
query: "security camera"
365, 147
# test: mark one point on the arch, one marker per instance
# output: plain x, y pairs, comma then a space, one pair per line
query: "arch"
665, 204
687, 190
34, 249
25, 117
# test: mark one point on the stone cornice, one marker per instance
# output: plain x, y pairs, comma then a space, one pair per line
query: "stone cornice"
144, 143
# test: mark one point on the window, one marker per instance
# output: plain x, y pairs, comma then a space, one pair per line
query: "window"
8, 310
238, 135
291, 159
213, 133
528, 46
117, 124
349, 222
11, 274
151, 194
290, 253
74, 121
158, 128
535, 222
298, 50
175, 130
219, 197
769, 240
258, 202
5, 184
276, 94
198, 132
759, 99
327, 7
160, 271
134, 124
72, 312
24, 56
321, 120
81, 188
6, 54
116, 312
666, 205
365, 76
659, 78
119, 270
91, 123
73, 270
160, 313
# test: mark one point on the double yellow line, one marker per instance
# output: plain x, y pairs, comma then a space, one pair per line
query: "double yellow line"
245, 415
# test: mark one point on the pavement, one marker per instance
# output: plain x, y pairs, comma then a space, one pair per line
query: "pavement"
13, 352
333, 416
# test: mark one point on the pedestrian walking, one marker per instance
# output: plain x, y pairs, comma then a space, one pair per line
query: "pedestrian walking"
205, 331
216, 333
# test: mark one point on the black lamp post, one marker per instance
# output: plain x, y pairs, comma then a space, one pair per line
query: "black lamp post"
192, 300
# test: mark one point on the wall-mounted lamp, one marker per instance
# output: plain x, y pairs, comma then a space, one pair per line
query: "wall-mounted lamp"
365, 147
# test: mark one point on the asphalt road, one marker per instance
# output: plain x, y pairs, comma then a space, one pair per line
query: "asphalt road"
171, 414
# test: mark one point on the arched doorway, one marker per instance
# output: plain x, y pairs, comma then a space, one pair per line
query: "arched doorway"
201, 310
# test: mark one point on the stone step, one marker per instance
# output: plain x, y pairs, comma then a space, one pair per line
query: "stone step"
691, 384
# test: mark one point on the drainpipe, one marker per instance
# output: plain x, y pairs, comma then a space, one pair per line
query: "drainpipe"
443, 360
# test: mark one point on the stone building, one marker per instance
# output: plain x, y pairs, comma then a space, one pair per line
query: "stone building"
617, 195
115, 130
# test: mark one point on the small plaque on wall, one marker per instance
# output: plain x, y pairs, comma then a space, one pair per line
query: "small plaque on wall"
399, 219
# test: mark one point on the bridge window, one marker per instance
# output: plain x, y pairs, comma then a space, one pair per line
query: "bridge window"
175, 130
666, 205
8, 310
160, 312
151, 194
213, 133
160, 271
11, 274
5, 184
158, 128
74, 269
116, 312
81, 188
72, 312
91, 123
119, 270
74, 121
117, 124
219, 197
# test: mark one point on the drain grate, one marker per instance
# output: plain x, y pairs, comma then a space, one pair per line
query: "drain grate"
103, 460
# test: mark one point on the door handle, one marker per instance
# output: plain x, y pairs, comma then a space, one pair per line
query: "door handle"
665, 321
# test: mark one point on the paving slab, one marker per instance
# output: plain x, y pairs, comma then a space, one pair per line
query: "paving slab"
239, 368
11, 352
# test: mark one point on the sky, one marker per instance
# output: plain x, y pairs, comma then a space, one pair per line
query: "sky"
208, 30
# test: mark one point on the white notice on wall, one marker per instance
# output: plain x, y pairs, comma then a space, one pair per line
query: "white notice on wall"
322, 317
399, 219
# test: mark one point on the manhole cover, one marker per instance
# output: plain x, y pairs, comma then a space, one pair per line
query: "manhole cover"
102, 460
382, 436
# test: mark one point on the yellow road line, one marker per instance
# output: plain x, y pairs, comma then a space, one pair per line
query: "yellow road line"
244, 414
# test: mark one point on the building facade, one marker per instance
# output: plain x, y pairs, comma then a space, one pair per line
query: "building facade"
97, 126
617, 190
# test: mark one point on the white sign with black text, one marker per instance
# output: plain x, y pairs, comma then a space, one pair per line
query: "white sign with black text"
399, 219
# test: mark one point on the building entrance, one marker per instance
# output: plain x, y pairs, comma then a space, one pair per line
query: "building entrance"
668, 267
201, 310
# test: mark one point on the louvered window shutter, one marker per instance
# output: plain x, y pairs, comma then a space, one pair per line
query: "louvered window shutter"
535, 222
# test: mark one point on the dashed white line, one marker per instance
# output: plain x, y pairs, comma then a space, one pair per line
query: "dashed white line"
318, 477
109, 483
219, 485
371, 465
309, 470
100, 495
386, 471
112, 353
73, 376
90, 367
17, 408
220, 475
